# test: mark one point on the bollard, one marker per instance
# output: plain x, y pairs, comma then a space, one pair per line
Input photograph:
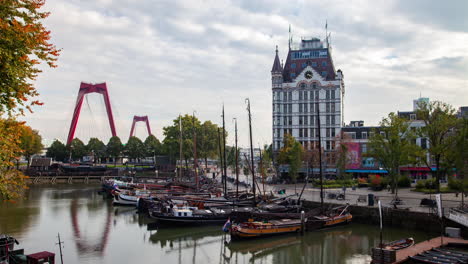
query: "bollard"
302, 222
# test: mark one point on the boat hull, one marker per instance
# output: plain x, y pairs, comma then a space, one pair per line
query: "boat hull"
238, 232
181, 220
122, 199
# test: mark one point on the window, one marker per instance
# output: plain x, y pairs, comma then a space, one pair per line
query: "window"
300, 132
293, 65
312, 120
328, 132
289, 96
332, 119
327, 108
424, 143
285, 120
305, 108
311, 108
333, 134
324, 63
371, 134
290, 120
314, 64
304, 65
316, 95
303, 85
332, 94
301, 120
332, 107
324, 73
306, 132
382, 133
293, 75
328, 145
364, 135
290, 108
285, 131
306, 93
412, 116
364, 148
328, 94
328, 120
306, 119
314, 86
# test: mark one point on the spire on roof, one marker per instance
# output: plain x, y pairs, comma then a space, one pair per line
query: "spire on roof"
276, 64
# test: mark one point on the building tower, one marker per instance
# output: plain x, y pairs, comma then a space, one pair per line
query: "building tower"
307, 77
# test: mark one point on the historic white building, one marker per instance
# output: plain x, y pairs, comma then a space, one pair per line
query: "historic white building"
307, 80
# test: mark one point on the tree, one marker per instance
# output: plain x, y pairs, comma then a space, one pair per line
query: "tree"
291, 154
342, 158
12, 181
208, 141
392, 146
77, 149
439, 120
134, 149
114, 148
24, 44
97, 147
57, 151
152, 146
30, 143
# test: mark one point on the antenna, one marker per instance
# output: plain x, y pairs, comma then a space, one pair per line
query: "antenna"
326, 32
290, 38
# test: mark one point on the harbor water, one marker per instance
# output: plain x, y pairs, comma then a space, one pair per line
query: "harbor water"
95, 231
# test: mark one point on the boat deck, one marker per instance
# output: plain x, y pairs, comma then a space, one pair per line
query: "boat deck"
402, 255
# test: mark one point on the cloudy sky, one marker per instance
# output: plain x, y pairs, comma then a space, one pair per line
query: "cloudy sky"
164, 57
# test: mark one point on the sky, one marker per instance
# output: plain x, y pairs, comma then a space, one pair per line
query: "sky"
165, 57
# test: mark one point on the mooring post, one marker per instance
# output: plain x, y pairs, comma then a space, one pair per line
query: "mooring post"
302, 222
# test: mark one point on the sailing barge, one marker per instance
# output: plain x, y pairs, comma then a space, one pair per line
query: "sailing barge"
261, 229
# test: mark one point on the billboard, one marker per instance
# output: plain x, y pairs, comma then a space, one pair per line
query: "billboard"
353, 155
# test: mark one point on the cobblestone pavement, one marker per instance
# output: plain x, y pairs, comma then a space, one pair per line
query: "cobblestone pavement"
410, 199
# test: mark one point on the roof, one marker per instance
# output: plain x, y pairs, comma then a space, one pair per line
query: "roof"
276, 64
317, 63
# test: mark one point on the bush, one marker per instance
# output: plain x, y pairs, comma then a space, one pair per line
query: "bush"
421, 184
431, 183
375, 181
404, 181
455, 184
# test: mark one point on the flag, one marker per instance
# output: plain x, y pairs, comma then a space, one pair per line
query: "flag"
227, 225
380, 214
439, 204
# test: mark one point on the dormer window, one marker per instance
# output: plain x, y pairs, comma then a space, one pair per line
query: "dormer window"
293, 75
324, 63
324, 73
293, 65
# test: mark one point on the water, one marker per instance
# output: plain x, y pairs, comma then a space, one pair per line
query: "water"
94, 231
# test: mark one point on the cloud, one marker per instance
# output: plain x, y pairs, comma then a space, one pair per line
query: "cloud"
162, 58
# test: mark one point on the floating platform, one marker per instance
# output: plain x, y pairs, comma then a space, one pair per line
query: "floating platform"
401, 256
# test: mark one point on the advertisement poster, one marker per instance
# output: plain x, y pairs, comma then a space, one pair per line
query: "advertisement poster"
354, 155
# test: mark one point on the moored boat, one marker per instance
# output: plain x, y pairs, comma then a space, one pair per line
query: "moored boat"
399, 244
254, 229
189, 215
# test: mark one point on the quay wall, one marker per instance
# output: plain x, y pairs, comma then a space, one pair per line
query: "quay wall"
399, 218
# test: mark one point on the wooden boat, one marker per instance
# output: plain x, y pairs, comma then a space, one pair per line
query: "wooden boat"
252, 229
399, 244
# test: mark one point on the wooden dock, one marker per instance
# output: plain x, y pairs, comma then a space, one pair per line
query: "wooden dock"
418, 248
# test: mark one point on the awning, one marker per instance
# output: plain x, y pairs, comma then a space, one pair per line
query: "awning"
368, 171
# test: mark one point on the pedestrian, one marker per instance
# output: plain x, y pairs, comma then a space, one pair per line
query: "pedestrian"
389, 188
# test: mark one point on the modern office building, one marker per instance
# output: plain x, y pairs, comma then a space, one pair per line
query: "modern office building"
307, 84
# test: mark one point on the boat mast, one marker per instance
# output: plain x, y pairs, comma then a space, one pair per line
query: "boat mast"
251, 151
237, 162
261, 172
195, 160
320, 155
224, 156
180, 147
220, 158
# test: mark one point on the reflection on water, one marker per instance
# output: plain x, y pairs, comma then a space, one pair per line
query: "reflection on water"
95, 231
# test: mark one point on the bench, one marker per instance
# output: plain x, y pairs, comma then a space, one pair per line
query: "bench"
362, 198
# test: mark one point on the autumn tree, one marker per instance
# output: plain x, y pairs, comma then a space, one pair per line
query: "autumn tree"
30, 143
57, 151
24, 44
393, 146
12, 181
291, 154
439, 120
